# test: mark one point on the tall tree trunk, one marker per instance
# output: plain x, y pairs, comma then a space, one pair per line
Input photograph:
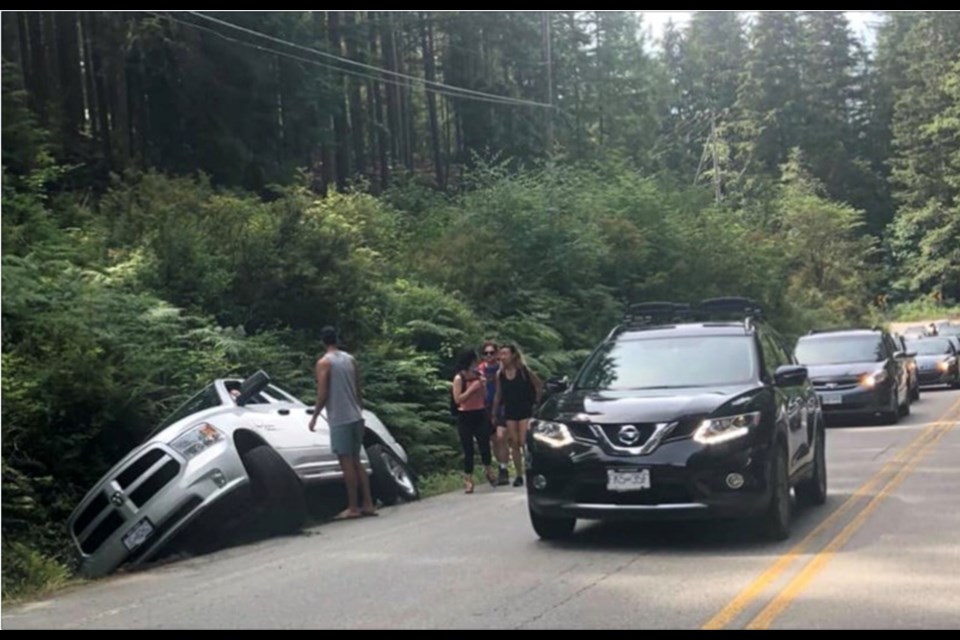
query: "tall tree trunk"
116, 34
53, 65
426, 39
38, 67
352, 24
375, 95
93, 35
600, 74
26, 61
393, 89
409, 138
578, 144
341, 142
140, 113
71, 76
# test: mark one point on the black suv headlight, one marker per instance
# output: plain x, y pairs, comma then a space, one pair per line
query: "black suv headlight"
552, 434
717, 430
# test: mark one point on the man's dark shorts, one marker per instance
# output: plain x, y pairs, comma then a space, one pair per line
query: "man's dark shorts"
346, 439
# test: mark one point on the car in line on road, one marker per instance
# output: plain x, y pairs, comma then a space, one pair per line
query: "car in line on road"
857, 372
910, 363
680, 412
937, 361
237, 446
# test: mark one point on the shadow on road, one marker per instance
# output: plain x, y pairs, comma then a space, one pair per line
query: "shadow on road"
707, 537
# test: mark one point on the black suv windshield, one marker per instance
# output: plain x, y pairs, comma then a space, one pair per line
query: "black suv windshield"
839, 350
929, 347
663, 363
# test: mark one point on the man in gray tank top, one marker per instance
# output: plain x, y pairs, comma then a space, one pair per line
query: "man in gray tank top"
338, 389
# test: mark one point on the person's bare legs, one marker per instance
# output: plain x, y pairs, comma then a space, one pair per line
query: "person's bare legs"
368, 508
513, 431
350, 479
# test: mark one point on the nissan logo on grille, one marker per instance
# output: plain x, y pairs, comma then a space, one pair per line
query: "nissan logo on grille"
629, 434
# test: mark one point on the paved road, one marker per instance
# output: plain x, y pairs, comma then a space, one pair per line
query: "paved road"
882, 553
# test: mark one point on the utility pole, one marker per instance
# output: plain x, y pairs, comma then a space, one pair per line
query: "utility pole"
547, 47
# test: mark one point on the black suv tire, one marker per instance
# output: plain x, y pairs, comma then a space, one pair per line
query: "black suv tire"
775, 522
813, 492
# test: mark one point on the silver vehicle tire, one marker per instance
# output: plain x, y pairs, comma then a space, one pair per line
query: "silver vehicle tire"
279, 501
392, 478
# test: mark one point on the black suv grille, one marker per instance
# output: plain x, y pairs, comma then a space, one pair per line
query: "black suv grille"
619, 435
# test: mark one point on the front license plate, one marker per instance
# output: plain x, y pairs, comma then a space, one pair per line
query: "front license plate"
832, 399
140, 533
632, 480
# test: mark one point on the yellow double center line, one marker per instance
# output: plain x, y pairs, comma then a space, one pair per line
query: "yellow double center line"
912, 453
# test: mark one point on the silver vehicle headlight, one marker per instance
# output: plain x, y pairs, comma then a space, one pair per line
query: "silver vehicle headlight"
552, 434
717, 430
197, 439
944, 365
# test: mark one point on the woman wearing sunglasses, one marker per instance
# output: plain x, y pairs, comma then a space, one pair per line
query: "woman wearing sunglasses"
498, 428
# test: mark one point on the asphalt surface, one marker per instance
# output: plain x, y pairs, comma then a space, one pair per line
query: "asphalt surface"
883, 553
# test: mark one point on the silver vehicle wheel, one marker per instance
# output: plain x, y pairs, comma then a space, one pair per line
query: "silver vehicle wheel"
392, 478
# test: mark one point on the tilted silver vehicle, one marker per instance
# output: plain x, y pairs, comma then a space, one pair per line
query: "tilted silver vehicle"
243, 440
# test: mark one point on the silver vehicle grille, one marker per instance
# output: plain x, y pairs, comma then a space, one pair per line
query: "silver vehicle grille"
129, 489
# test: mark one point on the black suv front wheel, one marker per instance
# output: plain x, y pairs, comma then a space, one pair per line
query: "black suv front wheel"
775, 522
813, 492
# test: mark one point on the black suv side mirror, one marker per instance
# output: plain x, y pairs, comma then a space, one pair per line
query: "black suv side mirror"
557, 385
790, 375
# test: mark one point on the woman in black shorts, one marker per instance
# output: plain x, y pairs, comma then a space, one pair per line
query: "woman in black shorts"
518, 390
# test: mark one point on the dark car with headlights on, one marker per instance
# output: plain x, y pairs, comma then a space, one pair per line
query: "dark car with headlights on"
679, 413
859, 372
937, 361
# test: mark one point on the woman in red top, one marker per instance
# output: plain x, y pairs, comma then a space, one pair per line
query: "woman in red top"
469, 393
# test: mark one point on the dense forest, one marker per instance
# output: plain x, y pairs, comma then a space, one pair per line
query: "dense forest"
193, 195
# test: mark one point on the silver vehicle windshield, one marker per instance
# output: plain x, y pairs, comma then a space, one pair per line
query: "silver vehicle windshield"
665, 363
929, 346
839, 350
205, 399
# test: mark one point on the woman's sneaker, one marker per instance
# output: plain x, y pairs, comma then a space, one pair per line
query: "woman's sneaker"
504, 478
518, 482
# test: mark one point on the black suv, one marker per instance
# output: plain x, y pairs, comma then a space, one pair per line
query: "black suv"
679, 413
858, 372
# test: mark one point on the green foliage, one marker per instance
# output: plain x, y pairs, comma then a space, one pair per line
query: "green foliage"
206, 254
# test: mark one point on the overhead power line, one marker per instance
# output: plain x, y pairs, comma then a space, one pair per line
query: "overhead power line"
436, 86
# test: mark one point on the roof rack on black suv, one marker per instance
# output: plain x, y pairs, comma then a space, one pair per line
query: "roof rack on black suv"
679, 413
646, 313
739, 308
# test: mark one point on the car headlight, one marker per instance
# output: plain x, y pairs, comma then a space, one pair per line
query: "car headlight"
870, 380
196, 440
716, 430
944, 365
552, 434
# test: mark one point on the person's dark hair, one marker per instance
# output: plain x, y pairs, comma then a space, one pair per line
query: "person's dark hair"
467, 358
328, 335
489, 343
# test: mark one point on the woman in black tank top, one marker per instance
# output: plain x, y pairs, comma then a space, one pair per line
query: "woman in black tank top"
518, 389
